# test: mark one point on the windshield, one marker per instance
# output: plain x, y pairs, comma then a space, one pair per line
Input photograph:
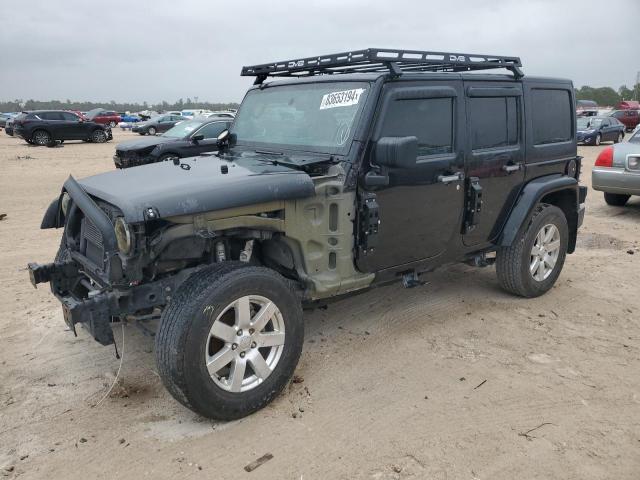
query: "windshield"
635, 138
315, 117
182, 129
584, 123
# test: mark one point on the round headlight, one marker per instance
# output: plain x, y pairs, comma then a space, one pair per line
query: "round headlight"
123, 235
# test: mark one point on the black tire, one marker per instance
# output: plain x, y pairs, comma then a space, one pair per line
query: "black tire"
616, 199
513, 262
98, 136
41, 138
181, 341
619, 138
598, 140
152, 130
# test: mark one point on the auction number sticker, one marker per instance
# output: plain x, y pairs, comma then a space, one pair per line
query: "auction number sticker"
341, 99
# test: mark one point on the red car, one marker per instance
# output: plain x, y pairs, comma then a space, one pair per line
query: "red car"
630, 118
105, 117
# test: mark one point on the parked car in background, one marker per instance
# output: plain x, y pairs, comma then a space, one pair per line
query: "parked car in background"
195, 112
158, 124
130, 118
617, 171
628, 105
629, 118
186, 139
4, 117
586, 108
44, 127
105, 117
594, 130
222, 113
8, 126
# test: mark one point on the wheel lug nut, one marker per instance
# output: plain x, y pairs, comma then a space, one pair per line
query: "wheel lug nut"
253, 345
251, 330
242, 354
239, 333
234, 346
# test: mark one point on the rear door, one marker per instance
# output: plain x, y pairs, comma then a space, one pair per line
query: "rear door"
420, 209
495, 162
54, 124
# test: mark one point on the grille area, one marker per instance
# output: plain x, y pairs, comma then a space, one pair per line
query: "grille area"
91, 245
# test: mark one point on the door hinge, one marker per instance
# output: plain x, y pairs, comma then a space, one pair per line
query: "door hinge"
473, 204
368, 223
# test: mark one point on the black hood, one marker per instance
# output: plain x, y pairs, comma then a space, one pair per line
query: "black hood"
143, 143
198, 185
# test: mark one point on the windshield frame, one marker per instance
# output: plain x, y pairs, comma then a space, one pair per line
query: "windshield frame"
356, 126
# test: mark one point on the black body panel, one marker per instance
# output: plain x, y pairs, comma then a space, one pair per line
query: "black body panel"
197, 184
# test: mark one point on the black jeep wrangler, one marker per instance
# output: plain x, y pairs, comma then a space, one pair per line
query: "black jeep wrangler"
358, 169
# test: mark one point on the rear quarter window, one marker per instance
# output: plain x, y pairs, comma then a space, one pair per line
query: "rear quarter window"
551, 117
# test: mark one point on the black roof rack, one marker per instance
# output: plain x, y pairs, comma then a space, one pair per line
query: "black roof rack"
382, 60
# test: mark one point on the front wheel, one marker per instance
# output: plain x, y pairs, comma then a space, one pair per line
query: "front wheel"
532, 263
230, 340
41, 138
151, 131
98, 136
616, 199
598, 140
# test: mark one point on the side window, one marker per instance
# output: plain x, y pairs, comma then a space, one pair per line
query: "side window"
551, 115
212, 130
617, 114
69, 117
493, 121
428, 119
50, 116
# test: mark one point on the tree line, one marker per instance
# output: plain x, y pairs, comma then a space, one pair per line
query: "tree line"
19, 105
607, 96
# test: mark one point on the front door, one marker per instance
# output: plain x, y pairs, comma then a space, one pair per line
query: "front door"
495, 165
420, 209
210, 142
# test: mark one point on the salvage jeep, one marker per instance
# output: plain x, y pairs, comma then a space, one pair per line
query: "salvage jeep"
353, 171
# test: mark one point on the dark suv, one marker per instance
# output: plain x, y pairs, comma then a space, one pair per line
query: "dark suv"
356, 170
46, 127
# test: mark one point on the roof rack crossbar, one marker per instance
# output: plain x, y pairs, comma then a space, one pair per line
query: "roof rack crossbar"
383, 60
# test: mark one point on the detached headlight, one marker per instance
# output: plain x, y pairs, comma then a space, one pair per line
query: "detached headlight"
123, 235
64, 203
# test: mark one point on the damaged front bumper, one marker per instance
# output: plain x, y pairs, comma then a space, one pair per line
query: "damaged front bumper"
95, 307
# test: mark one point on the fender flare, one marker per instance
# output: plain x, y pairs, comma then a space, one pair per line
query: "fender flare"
530, 196
53, 217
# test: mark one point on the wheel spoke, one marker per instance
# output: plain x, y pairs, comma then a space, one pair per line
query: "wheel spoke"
270, 339
219, 360
243, 312
236, 374
554, 245
259, 364
263, 316
550, 232
534, 265
550, 261
540, 272
223, 332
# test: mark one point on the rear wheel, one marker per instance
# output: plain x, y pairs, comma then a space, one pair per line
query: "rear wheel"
230, 340
616, 199
41, 138
532, 263
98, 136
619, 138
151, 131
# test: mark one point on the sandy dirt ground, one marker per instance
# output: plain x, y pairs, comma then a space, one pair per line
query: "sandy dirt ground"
452, 380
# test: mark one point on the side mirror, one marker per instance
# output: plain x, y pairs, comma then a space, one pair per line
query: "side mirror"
224, 139
197, 138
397, 152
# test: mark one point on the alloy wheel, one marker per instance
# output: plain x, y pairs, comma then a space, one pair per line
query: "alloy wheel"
545, 252
41, 138
245, 343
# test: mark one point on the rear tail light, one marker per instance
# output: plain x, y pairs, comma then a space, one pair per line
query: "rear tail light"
605, 159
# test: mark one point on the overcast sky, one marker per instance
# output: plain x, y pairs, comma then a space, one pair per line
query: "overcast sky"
165, 50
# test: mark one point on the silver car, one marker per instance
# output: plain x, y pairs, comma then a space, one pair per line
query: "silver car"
617, 171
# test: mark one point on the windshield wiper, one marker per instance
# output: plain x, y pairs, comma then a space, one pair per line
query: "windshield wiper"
266, 152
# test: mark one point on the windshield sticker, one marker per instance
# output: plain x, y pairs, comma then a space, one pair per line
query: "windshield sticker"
341, 99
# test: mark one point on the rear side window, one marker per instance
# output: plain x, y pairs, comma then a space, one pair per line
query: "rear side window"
50, 115
551, 116
494, 121
428, 119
